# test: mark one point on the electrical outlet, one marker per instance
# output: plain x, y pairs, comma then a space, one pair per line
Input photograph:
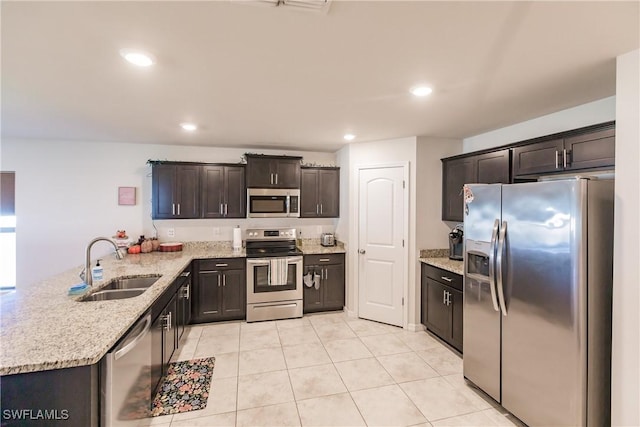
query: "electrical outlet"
171, 232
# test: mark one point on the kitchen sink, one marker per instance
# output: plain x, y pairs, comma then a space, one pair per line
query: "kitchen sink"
113, 294
132, 282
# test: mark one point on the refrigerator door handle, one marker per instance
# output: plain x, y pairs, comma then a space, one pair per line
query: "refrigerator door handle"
492, 268
500, 285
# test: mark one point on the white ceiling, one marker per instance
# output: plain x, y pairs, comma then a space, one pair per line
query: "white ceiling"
255, 76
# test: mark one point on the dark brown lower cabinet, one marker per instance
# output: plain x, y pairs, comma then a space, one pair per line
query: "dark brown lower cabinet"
442, 304
71, 397
330, 293
220, 291
167, 313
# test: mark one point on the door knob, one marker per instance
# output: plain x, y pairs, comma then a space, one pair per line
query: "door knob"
362, 251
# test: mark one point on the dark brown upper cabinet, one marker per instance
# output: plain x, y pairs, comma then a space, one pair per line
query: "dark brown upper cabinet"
592, 150
486, 168
587, 150
273, 171
175, 191
319, 192
223, 191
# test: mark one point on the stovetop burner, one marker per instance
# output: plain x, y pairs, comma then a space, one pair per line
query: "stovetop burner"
273, 252
264, 243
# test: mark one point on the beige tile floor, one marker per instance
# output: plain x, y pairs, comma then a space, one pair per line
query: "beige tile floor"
330, 370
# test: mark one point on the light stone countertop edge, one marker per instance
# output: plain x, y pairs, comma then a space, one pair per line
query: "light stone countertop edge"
446, 264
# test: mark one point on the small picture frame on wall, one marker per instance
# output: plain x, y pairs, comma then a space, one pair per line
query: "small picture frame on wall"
127, 196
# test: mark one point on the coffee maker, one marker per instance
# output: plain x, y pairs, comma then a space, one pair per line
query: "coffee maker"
455, 243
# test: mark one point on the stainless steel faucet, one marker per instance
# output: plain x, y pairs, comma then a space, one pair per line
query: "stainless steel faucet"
85, 274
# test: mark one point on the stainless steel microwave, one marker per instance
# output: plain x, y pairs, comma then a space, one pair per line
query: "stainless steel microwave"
273, 203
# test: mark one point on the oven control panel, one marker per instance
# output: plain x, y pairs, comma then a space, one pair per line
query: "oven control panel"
271, 234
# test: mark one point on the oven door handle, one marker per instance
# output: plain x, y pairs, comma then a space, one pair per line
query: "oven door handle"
257, 262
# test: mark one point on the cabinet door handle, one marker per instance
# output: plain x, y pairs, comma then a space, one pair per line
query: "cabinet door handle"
226, 209
362, 251
320, 208
170, 317
271, 182
224, 280
564, 157
446, 279
326, 274
173, 208
322, 273
276, 179
221, 211
444, 297
557, 159
317, 209
178, 209
167, 320
219, 280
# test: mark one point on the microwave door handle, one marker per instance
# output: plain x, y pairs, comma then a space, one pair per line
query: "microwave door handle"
287, 203
492, 264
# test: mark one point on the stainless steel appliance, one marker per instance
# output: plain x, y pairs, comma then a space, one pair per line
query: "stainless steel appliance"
327, 239
274, 274
273, 203
126, 378
456, 243
537, 298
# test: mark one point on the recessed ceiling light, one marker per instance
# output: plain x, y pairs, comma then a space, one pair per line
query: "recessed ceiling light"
349, 137
421, 90
189, 127
136, 57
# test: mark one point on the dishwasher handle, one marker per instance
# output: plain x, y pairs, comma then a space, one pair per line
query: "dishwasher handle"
127, 348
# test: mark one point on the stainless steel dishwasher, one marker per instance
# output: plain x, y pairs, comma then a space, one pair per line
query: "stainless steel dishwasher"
126, 377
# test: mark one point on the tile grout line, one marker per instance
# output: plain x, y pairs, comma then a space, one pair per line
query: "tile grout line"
295, 402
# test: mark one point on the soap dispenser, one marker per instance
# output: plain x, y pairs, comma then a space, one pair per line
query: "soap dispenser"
97, 271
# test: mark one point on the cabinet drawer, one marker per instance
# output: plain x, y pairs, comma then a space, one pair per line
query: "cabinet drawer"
324, 259
443, 276
220, 264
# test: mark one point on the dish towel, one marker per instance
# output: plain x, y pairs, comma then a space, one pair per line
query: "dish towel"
278, 271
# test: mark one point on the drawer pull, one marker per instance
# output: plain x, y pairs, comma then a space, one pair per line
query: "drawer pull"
447, 279
324, 259
222, 265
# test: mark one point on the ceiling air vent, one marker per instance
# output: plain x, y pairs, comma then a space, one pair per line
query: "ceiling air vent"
313, 5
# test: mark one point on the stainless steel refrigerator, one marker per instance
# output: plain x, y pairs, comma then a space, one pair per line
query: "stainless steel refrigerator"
537, 298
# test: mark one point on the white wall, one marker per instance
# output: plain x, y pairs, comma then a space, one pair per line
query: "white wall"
431, 232
625, 397
600, 111
66, 194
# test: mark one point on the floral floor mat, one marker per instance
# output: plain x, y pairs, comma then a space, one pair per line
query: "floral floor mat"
185, 387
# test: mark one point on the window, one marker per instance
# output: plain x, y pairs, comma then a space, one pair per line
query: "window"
7, 231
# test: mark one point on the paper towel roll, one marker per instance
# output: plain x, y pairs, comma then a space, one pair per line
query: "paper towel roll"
237, 238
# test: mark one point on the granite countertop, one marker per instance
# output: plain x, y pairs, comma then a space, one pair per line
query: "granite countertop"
41, 328
315, 248
439, 258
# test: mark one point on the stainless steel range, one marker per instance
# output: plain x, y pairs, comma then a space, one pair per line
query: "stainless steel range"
274, 274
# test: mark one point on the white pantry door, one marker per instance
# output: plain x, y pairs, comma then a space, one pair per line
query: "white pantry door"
381, 255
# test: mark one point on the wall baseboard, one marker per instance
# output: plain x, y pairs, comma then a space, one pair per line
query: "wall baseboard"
415, 327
